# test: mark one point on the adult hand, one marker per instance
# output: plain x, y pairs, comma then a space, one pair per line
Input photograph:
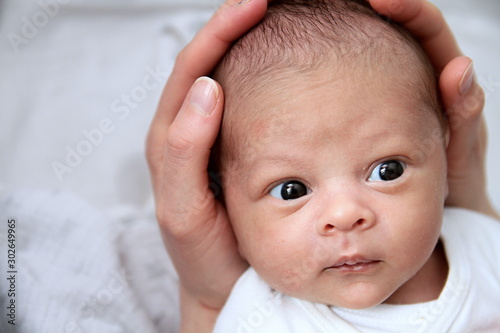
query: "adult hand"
463, 100
194, 225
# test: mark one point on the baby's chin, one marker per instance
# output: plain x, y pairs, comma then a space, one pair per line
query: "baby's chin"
355, 303
359, 304
362, 298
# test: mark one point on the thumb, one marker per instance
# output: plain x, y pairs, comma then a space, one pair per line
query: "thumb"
463, 100
184, 191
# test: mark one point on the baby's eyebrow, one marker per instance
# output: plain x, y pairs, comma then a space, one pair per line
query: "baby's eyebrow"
267, 165
265, 160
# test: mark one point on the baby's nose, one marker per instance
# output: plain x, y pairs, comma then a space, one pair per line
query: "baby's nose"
346, 213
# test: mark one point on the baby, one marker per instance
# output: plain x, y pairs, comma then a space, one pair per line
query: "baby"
333, 160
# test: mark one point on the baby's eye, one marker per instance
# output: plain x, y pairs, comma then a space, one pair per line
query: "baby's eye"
387, 171
289, 190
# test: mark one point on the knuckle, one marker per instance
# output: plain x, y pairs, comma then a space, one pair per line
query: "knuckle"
179, 149
172, 222
182, 222
467, 109
395, 7
435, 12
182, 61
180, 58
151, 152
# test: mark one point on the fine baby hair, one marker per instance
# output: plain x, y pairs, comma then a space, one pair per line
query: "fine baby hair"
306, 36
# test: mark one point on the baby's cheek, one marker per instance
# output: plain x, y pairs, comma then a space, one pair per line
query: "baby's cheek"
287, 274
289, 282
291, 266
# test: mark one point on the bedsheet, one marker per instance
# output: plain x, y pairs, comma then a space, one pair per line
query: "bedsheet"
79, 84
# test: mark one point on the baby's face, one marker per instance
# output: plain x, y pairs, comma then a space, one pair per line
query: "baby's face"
339, 199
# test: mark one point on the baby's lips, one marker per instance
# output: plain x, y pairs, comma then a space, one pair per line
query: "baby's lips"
352, 260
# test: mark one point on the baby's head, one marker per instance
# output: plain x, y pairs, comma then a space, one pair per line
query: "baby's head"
332, 154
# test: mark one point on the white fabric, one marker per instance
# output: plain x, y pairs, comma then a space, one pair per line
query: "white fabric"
79, 270
95, 66
71, 67
469, 302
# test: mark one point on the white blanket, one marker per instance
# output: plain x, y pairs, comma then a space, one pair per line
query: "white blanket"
79, 82
78, 269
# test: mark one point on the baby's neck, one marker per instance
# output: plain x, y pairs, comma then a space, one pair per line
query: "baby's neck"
427, 284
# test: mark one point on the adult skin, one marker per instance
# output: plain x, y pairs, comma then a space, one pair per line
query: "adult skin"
194, 225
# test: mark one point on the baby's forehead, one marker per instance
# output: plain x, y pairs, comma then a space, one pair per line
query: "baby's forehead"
266, 104
318, 105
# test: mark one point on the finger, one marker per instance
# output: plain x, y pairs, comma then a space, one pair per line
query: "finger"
426, 22
201, 55
184, 188
455, 83
463, 101
197, 59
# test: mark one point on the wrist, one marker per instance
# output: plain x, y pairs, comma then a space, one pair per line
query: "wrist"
195, 316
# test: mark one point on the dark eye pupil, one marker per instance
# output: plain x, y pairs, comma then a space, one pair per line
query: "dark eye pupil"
391, 170
293, 190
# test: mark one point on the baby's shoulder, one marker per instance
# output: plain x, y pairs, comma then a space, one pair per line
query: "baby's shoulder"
474, 236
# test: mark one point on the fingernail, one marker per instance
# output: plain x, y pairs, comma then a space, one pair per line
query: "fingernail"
204, 95
466, 81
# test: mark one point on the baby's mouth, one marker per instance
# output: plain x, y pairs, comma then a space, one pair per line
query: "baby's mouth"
353, 264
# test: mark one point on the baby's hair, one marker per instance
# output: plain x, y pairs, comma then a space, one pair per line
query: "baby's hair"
306, 36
